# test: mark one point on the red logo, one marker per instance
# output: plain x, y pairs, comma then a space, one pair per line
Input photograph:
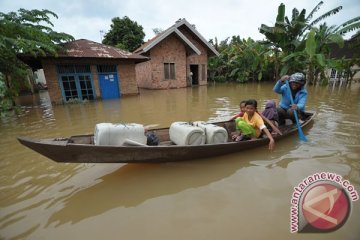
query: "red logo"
325, 207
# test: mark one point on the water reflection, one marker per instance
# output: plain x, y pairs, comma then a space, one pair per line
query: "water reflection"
134, 184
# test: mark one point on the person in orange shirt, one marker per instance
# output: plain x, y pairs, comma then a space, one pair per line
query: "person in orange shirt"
253, 118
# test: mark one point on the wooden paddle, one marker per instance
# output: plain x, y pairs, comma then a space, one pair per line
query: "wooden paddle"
301, 134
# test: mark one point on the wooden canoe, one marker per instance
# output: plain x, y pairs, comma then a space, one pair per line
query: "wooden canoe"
81, 149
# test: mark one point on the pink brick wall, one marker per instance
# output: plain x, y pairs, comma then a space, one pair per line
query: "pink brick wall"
151, 74
50, 73
200, 60
172, 50
127, 78
144, 74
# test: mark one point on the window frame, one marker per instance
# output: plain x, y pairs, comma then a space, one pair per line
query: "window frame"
82, 76
169, 71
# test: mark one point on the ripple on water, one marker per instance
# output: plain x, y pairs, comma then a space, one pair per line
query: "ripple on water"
300, 169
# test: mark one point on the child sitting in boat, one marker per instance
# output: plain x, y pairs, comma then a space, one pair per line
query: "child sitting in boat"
242, 111
252, 119
245, 130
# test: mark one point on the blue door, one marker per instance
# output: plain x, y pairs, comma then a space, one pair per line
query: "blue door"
109, 85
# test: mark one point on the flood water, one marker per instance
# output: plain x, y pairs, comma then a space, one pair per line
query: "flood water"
239, 196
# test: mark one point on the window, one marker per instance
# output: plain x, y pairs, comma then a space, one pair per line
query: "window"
76, 82
69, 85
66, 69
85, 87
106, 68
62, 69
169, 71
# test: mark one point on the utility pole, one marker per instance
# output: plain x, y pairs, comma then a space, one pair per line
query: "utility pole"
101, 35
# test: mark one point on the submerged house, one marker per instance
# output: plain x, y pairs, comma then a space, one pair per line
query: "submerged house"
87, 70
350, 51
178, 58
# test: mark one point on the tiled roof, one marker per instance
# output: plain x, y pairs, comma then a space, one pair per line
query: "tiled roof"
351, 49
84, 48
144, 45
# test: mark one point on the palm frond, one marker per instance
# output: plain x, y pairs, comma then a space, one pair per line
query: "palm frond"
291, 56
332, 28
301, 16
281, 13
284, 70
314, 11
336, 38
320, 58
355, 19
349, 28
287, 21
266, 29
295, 14
325, 15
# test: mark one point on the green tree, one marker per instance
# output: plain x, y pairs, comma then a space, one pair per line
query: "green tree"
5, 101
218, 68
26, 32
288, 36
317, 51
348, 26
311, 24
310, 56
240, 60
125, 34
346, 66
282, 38
249, 60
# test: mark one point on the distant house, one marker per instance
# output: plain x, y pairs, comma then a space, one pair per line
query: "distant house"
88, 70
351, 50
178, 58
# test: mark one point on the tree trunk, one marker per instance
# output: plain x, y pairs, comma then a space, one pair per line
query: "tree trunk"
277, 77
8, 90
311, 74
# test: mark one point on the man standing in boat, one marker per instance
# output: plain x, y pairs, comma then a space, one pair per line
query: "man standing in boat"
299, 94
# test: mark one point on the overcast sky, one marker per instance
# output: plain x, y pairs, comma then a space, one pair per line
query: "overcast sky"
212, 18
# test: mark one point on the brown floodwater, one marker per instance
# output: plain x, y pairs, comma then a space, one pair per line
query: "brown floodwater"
238, 196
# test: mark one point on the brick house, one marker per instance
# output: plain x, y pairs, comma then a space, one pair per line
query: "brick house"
88, 70
178, 58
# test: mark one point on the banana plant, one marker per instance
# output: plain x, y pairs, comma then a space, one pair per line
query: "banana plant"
288, 36
310, 56
348, 26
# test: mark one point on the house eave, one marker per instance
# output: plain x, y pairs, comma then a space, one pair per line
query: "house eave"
165, 35
184, 22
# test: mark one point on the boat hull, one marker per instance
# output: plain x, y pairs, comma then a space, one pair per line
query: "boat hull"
61, 150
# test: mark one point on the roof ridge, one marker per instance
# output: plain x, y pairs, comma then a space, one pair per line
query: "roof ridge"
178, 23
